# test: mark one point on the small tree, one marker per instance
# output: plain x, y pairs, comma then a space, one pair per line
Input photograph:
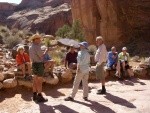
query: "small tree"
74, 32
77, 31
63, 31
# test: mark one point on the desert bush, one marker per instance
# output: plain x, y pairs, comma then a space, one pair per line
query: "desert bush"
11, 41
57, 56
73, 32
92, 49
4, 29
63, 31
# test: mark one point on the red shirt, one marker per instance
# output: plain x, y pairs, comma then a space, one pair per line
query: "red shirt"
71, 57
21, 59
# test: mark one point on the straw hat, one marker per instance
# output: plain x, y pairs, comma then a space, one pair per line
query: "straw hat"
34, 37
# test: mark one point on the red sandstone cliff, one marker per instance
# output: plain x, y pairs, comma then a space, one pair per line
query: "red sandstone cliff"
118, 21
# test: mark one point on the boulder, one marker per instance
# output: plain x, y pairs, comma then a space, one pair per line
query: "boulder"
135, 58
139, 71
5, 69
9, 83
1, 57
25, 83
8, 75
66, 76
142, 65
1, 85
50, 80
1, 53
1, 67
1, 77
92, 75
8, 64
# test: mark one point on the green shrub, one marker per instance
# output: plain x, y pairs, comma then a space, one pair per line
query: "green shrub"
74, 32
63, 31
11, 41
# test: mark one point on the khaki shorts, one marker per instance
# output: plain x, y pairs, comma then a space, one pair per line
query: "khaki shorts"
38, 69
100, 72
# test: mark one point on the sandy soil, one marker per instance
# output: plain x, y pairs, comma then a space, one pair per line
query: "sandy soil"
122, 97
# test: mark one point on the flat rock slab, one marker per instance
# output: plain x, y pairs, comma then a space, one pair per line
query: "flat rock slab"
122, 97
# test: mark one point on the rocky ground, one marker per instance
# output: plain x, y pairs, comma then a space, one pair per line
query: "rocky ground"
122, 97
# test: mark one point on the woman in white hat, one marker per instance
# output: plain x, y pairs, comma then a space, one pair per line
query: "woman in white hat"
23, 60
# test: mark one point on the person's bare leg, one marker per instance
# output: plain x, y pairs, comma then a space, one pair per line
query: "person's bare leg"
39, 84
47, 65
103, 91
103, 82
52, 65
29, 68
118, 69
22, 67
130, 72
35, 83
123, 66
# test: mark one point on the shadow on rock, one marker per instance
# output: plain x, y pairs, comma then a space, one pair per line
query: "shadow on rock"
118, 100
64, 109
25, 93
96, 107
46, 108
52, 91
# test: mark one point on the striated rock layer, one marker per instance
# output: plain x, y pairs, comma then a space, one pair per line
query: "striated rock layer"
44, 16
118, 21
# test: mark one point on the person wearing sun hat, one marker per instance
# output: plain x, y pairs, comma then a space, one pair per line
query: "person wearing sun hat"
23, 60
36, 56
83, 61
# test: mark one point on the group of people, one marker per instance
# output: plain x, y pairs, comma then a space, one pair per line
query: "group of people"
120, 62
79, 61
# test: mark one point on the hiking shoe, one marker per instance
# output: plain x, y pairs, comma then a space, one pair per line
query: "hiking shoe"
69, 99
101, 92
130, 78
41, 99
120, 79
85, 98
51, 74
123, 73
34, 97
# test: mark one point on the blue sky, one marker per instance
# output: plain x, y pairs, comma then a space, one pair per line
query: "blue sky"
11, 1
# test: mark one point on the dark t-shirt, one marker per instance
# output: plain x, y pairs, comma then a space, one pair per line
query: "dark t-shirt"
71, 57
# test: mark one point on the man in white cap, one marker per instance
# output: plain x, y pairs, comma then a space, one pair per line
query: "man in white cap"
37, 56
100, 58
83, 61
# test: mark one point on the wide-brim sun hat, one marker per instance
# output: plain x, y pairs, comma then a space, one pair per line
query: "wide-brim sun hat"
35, 36
124, 48
85, 44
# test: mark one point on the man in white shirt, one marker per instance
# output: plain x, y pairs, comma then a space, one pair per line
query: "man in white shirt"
100, 58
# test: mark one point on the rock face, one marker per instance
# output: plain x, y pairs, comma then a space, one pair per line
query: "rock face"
6, 9
44, 16
118, 21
